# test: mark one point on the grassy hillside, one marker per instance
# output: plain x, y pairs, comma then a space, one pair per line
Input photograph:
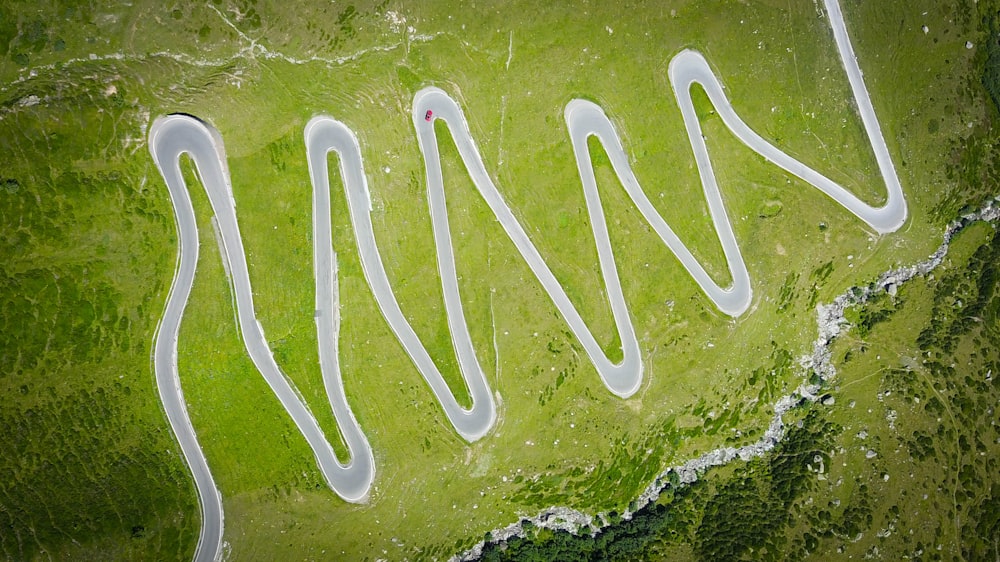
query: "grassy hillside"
90, 468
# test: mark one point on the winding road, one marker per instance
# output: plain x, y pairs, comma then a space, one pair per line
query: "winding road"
174, 135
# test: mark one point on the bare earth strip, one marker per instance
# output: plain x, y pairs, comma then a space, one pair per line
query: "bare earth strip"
174, 135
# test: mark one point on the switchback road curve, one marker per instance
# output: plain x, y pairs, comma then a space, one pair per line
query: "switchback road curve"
174, 135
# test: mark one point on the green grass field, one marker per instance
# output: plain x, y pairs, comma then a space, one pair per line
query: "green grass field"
90, 468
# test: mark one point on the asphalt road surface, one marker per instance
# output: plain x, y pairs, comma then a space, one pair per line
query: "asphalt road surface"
174, 135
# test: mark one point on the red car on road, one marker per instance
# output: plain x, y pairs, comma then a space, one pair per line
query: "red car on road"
428, 115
